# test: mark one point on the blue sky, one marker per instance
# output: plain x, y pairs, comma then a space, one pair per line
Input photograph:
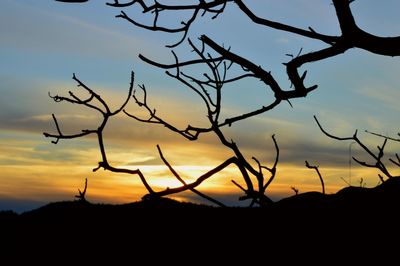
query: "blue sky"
43, 42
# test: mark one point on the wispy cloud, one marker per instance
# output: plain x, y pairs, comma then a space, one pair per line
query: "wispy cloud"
35, 169
64, 34
386, 95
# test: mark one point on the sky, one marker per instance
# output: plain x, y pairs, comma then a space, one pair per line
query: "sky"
42, 43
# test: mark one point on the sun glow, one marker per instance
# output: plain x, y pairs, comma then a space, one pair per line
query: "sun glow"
160, 177
32, 171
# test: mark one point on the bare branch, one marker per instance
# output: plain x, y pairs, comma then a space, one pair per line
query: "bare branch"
231, 120
197, 182
296, 190
82, 194
359, 38
209, 86
76, 100
383, 136
99, 130
184, 183
273, 169
381, 178
60, 135
130, 93
180, 64
213, 106
378, 158
157, 8
364, 163
117, 4
279, 26
362, 183
344, 180
338, 44
239, 186
332, 136
398, 160
95, 95
319, 175
155, 119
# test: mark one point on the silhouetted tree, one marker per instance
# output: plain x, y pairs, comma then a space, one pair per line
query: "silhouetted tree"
376, 156
220, 60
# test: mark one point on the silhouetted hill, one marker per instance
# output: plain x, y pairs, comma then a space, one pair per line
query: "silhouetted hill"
354, 218
383, 196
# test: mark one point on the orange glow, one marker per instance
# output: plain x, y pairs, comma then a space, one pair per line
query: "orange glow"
356, 91
160, 177
26, 174
61, 182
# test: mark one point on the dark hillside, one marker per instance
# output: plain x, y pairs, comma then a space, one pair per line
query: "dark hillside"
356, 218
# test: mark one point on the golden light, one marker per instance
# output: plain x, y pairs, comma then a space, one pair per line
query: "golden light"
160, 177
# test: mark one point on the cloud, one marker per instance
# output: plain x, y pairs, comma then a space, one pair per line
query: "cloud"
129, 142
53, 38
50, 30
24, 149
387, 95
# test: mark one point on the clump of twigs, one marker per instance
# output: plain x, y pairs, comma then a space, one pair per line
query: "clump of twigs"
377, 157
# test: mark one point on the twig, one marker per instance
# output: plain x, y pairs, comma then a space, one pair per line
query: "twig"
382, 136
82, 194
296, 190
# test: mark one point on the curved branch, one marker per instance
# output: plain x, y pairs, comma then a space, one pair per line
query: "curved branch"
106, 166
279, 26
319, 175
184, 183
332, 136
389, 46
292, 68
180, 64
152, 28
273, 169
201, 179
230, 121
130, 93
95, 95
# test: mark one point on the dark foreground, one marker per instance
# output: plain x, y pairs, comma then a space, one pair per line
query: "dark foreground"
354, 222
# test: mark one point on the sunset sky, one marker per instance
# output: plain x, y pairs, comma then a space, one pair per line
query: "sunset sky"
42, 43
